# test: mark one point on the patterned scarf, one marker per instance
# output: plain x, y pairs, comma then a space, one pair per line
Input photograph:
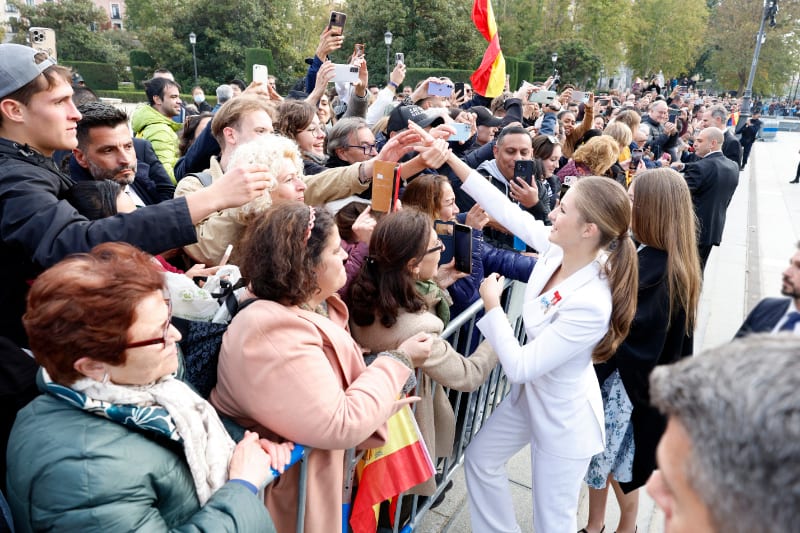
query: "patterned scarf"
438, 300
168, 407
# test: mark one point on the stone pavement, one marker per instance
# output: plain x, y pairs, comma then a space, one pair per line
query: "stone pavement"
762, 227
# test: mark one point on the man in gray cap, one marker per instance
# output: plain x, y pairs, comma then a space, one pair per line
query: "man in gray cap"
37, 227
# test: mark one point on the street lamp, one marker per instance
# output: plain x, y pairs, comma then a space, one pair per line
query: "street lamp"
554, 58
600, 81
193, 41
769, 12
387, 38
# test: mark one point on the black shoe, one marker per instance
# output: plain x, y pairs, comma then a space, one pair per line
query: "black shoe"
794, 181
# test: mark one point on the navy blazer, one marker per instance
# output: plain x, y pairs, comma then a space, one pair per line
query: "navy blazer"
764, 316
152, 183
712, 181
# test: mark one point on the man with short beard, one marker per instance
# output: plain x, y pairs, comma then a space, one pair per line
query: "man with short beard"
773, 315
106, 151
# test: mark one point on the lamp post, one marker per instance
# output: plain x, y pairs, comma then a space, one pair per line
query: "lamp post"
769, 12
600, 81
554, 59
387, 38
193, 41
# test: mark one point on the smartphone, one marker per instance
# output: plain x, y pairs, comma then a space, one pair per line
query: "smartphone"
260, 74
542, 97
462, 248
385, 186
336, 22
358, 50
579, 96
43, 39
445, 229
673, 115
636, 157
524, 169
439, 89
345, 73
459, 88
604, 101
463, 132
399, 58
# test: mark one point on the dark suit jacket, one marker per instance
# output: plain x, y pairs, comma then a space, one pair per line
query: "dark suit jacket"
764, 316
712, 180
655, 338
732, 148
152, 183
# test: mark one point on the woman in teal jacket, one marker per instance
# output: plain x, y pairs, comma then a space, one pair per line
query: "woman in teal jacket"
115, 442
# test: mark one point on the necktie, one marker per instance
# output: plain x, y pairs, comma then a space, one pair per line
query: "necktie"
793, 318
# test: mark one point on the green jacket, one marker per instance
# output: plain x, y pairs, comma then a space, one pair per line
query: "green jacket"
69, 470
161, 132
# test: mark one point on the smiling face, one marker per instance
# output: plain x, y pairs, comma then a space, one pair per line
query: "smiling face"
568, 224
358, 141
290, 186
146, 364
312, 138
551, 163
108, 154
447, 204
48, 122
427, 267
512, 147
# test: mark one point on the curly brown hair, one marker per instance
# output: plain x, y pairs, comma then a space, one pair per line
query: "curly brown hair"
384, 285
276, 257
293, 117
85, 305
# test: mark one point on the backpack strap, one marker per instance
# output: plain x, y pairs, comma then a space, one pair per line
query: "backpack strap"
205, 178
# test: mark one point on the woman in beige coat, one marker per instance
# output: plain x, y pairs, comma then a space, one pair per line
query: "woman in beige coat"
394, 296
289, 367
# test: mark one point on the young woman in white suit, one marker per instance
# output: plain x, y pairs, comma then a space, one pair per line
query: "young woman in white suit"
579, 304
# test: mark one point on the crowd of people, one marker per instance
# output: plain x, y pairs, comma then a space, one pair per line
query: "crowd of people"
607, 206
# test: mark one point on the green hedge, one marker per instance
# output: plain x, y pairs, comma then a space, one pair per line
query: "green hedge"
96, 75
142, 66
257, 56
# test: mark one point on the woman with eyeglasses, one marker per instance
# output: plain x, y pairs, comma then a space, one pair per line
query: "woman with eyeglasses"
395, 296
289, 368
115, 442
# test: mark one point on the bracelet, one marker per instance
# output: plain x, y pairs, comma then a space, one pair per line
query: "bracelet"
363, 179
393, 84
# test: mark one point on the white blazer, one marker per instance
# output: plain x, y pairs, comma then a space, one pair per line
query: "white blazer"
553, 372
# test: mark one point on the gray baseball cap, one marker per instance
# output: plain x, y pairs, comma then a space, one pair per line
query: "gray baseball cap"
18, 67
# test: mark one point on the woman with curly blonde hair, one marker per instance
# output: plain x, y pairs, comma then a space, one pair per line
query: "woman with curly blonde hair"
594, 158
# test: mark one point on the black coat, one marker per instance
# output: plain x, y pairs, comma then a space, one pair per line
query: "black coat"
732, 148
654, 339
764, 316
712, 181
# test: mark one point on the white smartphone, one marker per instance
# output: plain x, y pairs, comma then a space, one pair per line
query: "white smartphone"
462, 131
43, 39
260, 74
345, 73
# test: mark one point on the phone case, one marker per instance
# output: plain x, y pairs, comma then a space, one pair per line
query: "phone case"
462, 248
385, 186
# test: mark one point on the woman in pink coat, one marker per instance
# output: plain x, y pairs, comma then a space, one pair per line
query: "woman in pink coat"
289, 367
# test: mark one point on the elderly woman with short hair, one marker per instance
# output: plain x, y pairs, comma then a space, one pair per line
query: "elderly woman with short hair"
116, 442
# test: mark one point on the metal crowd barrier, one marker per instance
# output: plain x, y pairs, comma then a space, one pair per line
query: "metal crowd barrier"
472, 410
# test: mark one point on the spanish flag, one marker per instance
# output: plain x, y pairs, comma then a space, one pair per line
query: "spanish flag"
385, 472
490, 78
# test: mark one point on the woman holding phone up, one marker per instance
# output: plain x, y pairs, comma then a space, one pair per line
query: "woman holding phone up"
579, 304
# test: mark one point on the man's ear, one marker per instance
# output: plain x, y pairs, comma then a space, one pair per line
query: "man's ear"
80, 157
229, 133
12, 110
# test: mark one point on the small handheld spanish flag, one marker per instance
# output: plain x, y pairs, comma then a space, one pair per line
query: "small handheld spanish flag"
490, 77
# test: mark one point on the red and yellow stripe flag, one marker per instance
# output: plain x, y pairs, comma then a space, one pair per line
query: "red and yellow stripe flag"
490, 78
385, 472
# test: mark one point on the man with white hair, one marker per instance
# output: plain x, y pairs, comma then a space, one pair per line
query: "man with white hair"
662, 135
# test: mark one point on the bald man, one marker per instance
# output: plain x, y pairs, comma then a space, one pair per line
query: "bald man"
712, 179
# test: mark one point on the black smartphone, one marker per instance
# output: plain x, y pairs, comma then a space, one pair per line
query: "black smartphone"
524, 169
445, 229
337, 22
636, 158
462, 249
673, 115
459, 88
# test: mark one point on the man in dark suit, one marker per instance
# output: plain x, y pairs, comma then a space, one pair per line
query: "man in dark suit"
749, 132
712, 179
772, 315
715, 117
106, 150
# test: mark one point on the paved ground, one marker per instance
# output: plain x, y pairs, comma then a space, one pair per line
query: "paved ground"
762, 228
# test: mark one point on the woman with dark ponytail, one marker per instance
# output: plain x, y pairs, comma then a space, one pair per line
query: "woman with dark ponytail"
578, 307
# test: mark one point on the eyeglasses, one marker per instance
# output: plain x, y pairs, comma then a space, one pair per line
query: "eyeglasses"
314, 129
366, 148
158, 340
438, 248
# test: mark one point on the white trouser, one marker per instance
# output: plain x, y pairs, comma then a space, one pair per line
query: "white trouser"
556, 481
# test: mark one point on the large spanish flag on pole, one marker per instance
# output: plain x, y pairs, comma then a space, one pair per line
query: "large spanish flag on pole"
490, 78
